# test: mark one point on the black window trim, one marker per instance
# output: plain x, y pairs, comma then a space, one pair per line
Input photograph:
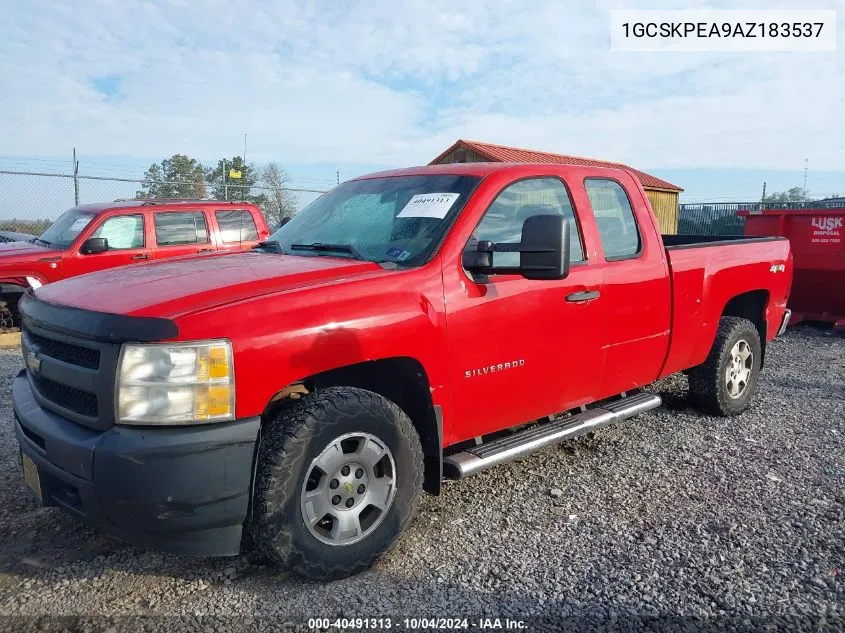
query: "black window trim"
123, 215
242, 210
580, 262
193, 212
616, 258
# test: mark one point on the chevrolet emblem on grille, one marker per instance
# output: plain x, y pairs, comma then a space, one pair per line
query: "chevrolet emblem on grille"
33, 362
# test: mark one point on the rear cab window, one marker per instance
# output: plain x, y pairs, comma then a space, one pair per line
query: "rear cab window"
236, 226
617, 226
174, 228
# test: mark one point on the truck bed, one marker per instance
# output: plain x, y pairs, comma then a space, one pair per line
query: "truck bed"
708, 271
693, 241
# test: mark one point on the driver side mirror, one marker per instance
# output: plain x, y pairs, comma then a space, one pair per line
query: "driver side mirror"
94, 245
543, 251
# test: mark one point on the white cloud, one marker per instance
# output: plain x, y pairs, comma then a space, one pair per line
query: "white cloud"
395, 82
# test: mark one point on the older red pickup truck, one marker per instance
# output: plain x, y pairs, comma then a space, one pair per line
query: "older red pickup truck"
94, 237
406, 326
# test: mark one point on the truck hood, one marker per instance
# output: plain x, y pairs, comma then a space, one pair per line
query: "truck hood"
14, 252
176, 287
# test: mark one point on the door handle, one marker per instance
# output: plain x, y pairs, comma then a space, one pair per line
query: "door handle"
141, 256
204, 250
583, 296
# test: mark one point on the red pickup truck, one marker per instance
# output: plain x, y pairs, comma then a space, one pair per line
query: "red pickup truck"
406, 326
94, 237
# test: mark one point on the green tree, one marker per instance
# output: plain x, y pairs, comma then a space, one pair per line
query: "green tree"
795, 194
223, 187
175, 177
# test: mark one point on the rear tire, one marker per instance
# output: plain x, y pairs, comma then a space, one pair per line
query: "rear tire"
339, 480
725, 383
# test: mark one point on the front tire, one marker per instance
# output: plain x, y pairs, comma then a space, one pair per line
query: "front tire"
338, 481
725, 383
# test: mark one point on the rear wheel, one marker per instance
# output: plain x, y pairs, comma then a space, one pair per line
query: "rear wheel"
725, 383
339, 479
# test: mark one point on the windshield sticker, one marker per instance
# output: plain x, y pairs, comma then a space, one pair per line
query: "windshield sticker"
429, 205
399, 253
79, 224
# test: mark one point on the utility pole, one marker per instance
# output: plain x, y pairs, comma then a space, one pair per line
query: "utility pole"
75, 179
225, 181
763, 197
806, 162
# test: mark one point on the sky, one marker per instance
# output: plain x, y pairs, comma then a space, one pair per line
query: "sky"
327, 87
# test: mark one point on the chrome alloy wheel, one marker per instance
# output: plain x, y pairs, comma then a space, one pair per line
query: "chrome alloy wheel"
348, 489
738, 372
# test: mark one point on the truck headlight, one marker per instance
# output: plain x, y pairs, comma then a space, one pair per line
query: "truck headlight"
176, 383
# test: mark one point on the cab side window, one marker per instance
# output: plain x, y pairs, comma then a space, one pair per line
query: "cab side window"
183, 227
620, 237
236, 226
123, 232
535, 196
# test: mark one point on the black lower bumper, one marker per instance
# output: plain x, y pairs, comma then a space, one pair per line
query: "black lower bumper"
182, 490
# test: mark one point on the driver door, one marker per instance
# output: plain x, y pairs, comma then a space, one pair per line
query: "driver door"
521, 349
128, 244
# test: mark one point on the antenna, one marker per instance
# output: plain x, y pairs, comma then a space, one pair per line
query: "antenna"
806, 163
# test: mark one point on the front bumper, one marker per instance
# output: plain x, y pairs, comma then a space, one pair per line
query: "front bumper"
182, 490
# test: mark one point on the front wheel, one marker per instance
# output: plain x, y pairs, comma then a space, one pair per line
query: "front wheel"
725, 383
339, 479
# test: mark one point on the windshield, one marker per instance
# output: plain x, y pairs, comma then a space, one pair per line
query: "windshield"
63, 231
394, 219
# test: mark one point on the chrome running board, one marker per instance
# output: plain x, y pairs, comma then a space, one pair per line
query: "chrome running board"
481, 457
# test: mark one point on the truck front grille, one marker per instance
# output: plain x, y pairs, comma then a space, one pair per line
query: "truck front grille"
70, 375
81, 402
74, 354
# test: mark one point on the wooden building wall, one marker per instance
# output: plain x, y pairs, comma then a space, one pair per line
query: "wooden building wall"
665, 206
461, 155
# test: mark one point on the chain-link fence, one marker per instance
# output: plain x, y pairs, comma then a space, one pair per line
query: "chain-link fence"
30, 201
720, 218
710, 219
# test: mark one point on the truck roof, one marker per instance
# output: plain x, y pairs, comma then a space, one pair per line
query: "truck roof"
99, 207
485, 169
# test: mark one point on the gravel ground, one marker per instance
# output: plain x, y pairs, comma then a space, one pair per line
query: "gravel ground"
669, 521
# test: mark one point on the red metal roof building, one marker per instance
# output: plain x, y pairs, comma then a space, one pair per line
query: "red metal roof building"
663, 195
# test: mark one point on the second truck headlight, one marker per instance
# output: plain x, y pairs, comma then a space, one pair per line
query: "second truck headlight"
176, 383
